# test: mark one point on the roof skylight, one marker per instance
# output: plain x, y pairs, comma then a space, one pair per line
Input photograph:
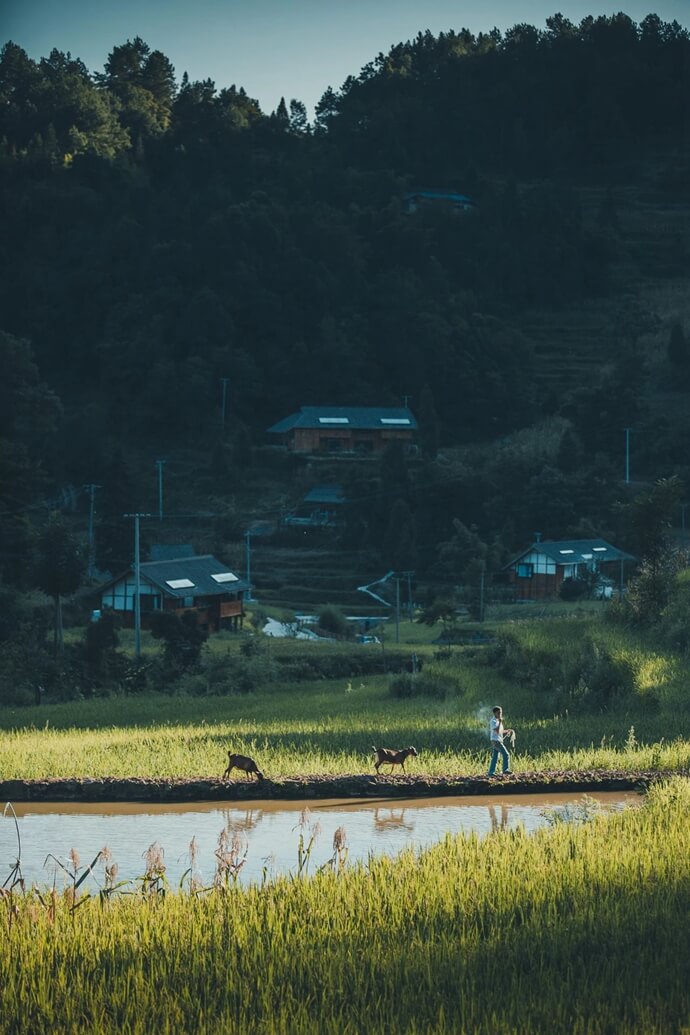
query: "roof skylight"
179, 583
224, 576
395, 420
334, 420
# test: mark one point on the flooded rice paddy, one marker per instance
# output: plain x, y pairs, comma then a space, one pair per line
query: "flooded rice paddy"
265, 834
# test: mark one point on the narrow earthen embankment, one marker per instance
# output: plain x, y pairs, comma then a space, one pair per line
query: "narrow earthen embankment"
142, 789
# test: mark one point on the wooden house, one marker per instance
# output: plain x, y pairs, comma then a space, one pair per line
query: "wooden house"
539, 571
354, 430
450, 199
202, 585
321, 507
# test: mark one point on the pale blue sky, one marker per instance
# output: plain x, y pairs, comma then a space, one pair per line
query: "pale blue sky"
294, 48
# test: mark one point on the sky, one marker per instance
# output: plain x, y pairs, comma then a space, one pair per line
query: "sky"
274, 48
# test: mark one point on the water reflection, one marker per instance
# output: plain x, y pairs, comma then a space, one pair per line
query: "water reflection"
255, 841
391, 819
499, 819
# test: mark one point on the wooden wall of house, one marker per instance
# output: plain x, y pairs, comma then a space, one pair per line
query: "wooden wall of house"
540, 587
315, 440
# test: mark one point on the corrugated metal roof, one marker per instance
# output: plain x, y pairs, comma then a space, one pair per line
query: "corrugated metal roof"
575, 551
361, 417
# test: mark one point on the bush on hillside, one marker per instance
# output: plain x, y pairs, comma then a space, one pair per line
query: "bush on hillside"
674, 623
578, 673
408, 685
333, 622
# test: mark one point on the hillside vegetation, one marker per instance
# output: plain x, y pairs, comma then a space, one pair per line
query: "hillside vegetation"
161, 235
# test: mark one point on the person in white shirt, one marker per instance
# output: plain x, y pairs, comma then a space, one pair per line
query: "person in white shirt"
496, 734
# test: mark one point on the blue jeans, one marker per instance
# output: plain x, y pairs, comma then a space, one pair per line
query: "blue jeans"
497, 749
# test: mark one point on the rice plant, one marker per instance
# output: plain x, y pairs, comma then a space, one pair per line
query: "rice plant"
575, 929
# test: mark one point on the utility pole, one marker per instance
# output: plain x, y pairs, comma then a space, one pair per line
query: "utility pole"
627, 455
248, 539
481, 592
683, 508
137, 584
224, 392
91, 488
397, 609
159, 464
410, 607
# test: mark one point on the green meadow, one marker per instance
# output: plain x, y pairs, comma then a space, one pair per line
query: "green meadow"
580, 928
581, 695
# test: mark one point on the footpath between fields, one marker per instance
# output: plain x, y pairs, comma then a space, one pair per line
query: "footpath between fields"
145, 789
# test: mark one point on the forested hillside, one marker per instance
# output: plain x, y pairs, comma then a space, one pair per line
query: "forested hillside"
160, 235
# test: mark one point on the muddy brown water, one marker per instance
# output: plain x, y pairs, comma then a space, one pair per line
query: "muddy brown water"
268, 830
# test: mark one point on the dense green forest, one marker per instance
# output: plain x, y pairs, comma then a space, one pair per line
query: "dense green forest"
162, 234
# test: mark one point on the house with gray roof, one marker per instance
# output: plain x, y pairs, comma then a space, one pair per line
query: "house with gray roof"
202, 585
359, 430
432, 195
539, 571
321, 507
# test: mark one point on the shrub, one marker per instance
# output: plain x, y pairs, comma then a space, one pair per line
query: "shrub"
334, 622
574, 589
182, 635
579, 672
407, 685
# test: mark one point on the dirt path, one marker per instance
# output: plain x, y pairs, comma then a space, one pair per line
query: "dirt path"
142, 789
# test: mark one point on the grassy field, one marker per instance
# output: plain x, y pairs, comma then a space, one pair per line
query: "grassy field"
329, 726
580, 929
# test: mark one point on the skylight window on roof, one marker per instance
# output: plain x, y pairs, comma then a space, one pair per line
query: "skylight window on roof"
566, 551
224, 576
179, 583
334, 420
395, 420
599, 549
586, 556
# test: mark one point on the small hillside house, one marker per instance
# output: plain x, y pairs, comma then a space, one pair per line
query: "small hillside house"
202, 585
321, 507
539, 571
362, 430
428, 195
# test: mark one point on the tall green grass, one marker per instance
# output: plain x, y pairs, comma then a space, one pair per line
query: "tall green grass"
313, 730
329, 726
577, 929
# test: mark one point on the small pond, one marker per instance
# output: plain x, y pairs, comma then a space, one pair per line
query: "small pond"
269, 831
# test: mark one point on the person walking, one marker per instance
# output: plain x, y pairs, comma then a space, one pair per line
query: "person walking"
496, 734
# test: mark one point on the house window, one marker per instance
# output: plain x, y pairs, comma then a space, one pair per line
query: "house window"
334, 445
525, 571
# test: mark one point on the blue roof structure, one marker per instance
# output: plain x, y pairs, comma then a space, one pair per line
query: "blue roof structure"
325, 494
439, 195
